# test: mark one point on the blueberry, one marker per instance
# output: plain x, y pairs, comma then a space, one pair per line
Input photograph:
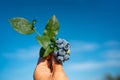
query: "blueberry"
61, 52
66, 57
55, 53
59, 41
67, 46
64, 41
60, 46
60, 58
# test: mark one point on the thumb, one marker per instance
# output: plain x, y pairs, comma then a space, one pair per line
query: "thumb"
55, 63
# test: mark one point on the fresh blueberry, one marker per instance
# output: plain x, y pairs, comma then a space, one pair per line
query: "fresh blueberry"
60, 58
67, 46
60, 46
61, 52
59, 41
66, 57
64, 41
55, 53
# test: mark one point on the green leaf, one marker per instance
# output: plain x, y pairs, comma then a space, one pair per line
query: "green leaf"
43, 40
21, 25
42, 51
52, 27
47, 52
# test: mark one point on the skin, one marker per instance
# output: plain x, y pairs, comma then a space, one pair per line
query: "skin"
49, 69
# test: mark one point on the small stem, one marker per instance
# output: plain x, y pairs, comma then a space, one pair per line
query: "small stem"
36, 32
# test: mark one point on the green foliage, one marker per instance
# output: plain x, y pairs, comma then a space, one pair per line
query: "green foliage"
47, 52
21, 25
42, 50
44, 41
52, 27
50, 32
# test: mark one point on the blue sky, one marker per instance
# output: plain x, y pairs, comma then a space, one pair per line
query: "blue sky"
91, 26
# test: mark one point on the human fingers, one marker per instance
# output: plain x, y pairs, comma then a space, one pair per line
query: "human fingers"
56, 65
58, 72
42, 70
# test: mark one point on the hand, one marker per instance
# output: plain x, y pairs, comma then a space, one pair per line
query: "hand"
49, 69
43, 70
58, 72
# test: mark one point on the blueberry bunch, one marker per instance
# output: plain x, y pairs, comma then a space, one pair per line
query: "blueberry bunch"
62, 53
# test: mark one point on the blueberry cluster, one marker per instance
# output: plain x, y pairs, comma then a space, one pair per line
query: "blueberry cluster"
62, 53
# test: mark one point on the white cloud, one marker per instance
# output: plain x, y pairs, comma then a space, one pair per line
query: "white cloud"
79, 46
112, 54
112, 43
93, 65
24, 53
112, 50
